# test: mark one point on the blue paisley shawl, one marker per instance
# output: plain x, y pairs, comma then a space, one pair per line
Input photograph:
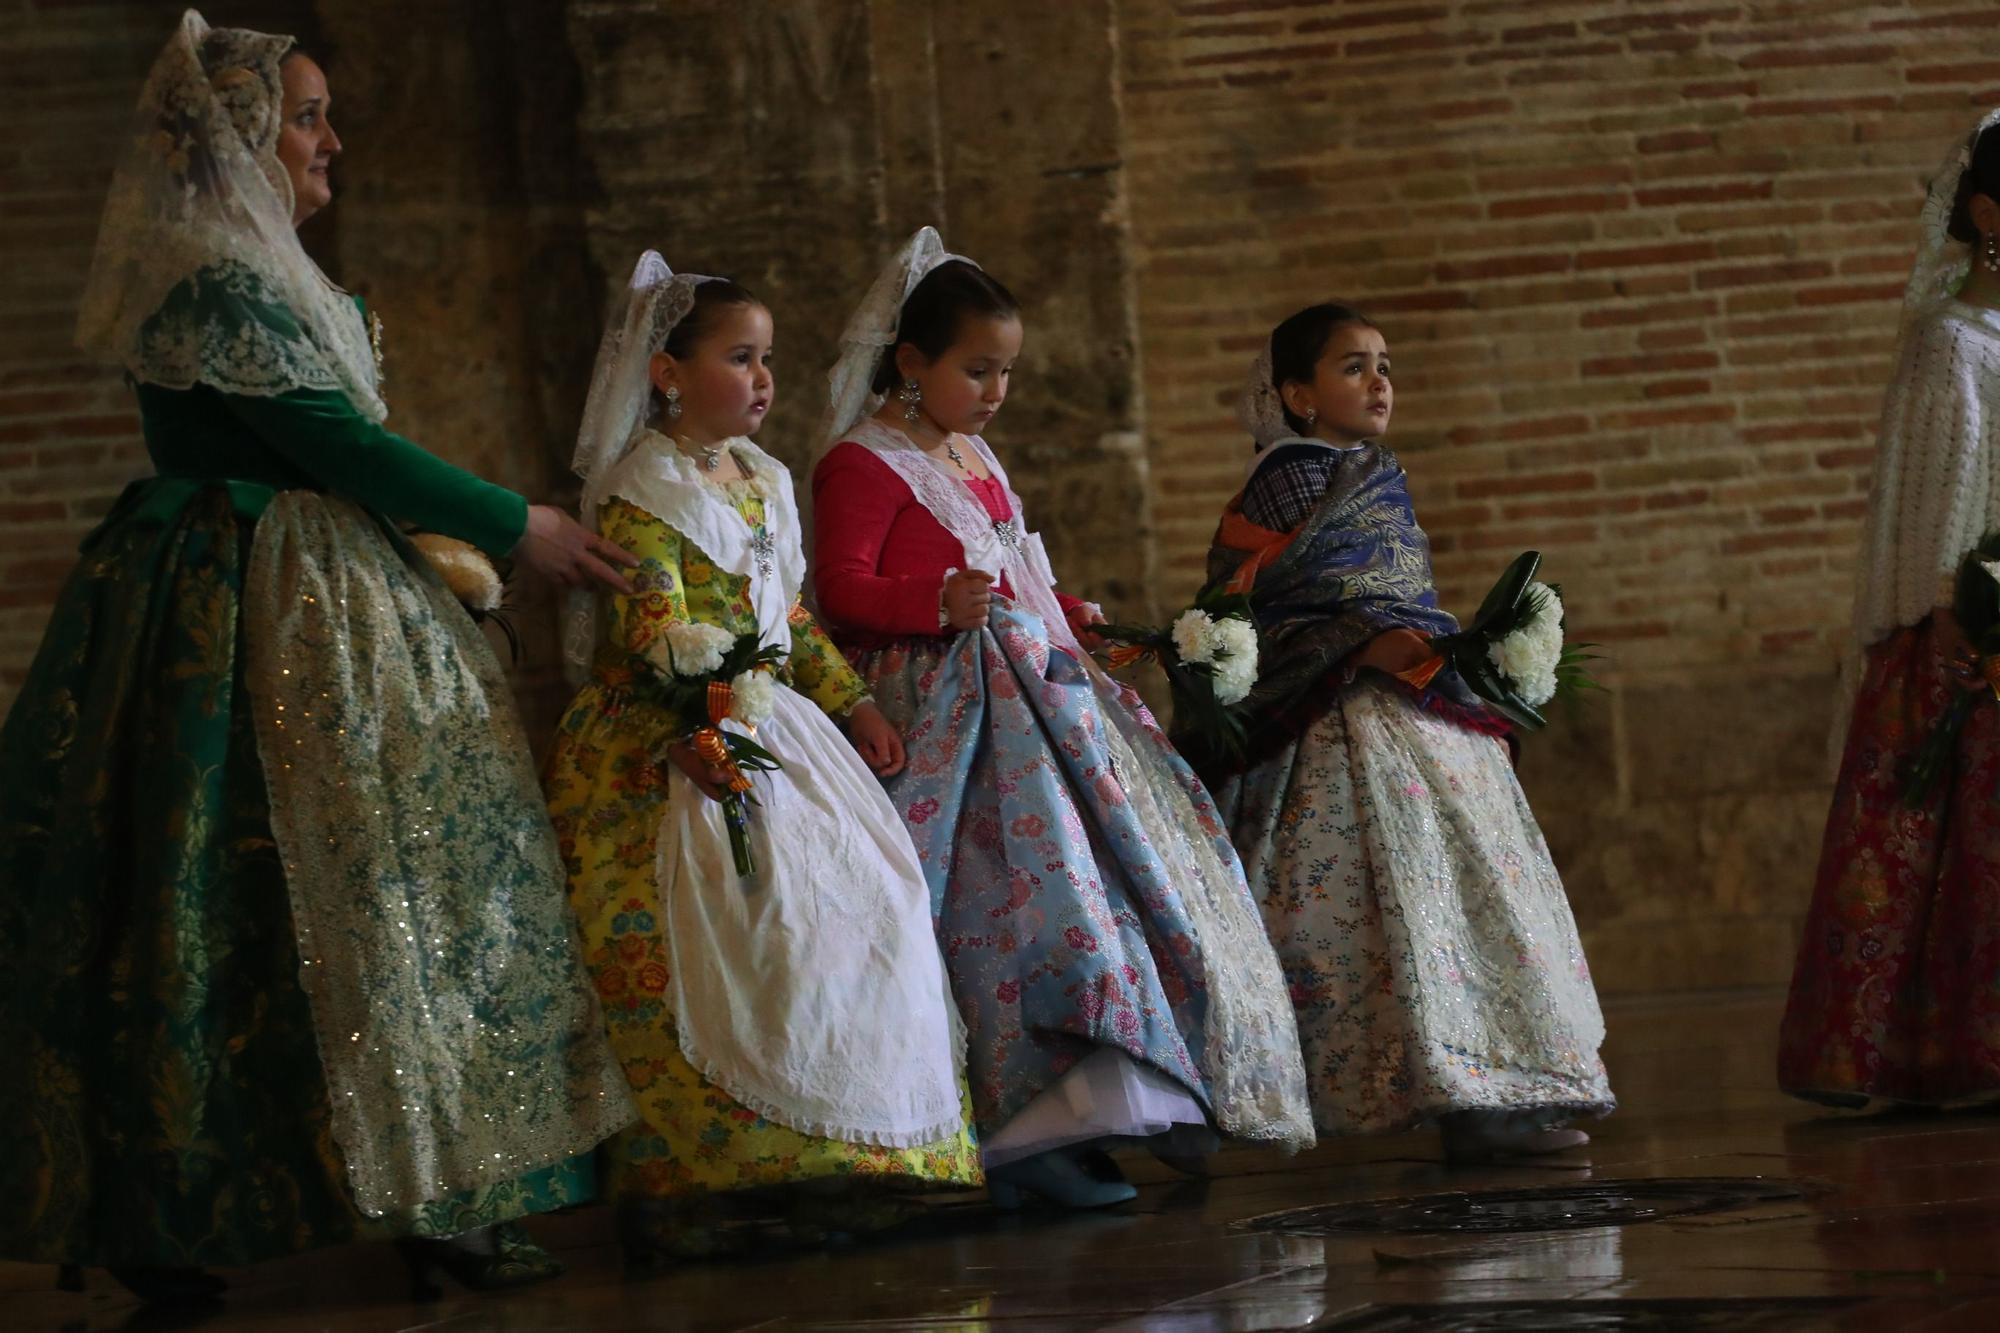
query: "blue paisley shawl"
1358, 564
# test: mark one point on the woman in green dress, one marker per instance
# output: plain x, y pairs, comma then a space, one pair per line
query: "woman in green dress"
284, 955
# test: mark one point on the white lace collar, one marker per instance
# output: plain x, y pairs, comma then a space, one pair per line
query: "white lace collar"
657, 477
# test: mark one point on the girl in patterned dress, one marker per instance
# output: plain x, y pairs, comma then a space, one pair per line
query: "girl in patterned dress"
1423, 928
790, 1027
1108, 959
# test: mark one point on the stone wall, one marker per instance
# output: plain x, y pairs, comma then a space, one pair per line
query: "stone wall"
794, 146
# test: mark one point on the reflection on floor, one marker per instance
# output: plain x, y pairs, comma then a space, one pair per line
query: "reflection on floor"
1861, 1222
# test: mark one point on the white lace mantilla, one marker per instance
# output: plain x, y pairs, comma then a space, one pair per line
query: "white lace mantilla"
198, 275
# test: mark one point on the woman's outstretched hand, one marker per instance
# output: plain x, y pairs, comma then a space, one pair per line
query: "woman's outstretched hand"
558, 547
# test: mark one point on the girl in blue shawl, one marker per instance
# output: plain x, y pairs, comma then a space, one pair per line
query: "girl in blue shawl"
1422, 927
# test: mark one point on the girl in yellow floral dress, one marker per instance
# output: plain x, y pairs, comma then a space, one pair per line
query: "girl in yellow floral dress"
790, 1027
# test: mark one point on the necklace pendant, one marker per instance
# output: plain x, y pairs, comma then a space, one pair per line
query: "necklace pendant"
711, 458
951, 452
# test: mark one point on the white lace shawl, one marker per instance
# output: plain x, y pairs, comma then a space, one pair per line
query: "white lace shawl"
198, 275
1937, 473
991, 545
658, 478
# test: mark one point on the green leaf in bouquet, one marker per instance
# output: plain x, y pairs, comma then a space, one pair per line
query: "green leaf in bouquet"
1503, 610
1221, 604
1976, 597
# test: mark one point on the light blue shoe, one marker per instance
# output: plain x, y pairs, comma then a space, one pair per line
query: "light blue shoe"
1054, 1177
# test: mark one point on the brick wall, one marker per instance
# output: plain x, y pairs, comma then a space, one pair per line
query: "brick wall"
1638, 266
69, 432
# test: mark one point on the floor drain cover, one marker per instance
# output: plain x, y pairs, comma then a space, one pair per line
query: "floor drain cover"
1775, 1312
1601, 1203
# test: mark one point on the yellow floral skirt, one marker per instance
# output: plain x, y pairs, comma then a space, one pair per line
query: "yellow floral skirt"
606, 798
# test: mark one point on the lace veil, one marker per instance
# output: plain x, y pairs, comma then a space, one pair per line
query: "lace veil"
198, 276
850, 384
1942, 262
656, 299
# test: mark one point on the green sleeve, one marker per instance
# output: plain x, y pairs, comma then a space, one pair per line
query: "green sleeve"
319, 432
227, 314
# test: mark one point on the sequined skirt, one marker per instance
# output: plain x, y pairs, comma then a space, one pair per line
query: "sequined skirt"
160, 1082
1430, 949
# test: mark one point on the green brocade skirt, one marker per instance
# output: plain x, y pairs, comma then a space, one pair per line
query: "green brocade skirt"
161, 1089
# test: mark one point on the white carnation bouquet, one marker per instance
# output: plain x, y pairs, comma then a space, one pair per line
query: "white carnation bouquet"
1512, 653
1209, 655
704, 671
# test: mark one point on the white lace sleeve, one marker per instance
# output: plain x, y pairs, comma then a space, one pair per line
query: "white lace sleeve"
1934, 493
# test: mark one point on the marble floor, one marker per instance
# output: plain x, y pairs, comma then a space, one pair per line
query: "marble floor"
1880, 1222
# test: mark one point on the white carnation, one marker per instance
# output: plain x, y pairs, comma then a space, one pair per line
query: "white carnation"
751, 697
1235, 659
1528, 656
697, 648
1236, 638
1233, 678
1194, 636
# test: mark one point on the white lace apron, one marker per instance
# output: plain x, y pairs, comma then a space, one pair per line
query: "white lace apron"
811, 991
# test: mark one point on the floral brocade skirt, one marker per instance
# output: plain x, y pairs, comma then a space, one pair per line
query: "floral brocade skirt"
1423, 929
1894, 993
1085, 893
160, 1079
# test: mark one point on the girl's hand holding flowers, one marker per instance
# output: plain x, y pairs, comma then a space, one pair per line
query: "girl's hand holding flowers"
1394, 651
714, 783
1081, 617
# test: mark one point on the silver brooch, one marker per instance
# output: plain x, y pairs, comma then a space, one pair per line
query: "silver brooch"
1009, 533
765, 548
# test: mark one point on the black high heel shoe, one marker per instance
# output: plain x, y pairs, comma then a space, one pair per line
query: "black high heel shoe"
515, 1261
168, 1286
